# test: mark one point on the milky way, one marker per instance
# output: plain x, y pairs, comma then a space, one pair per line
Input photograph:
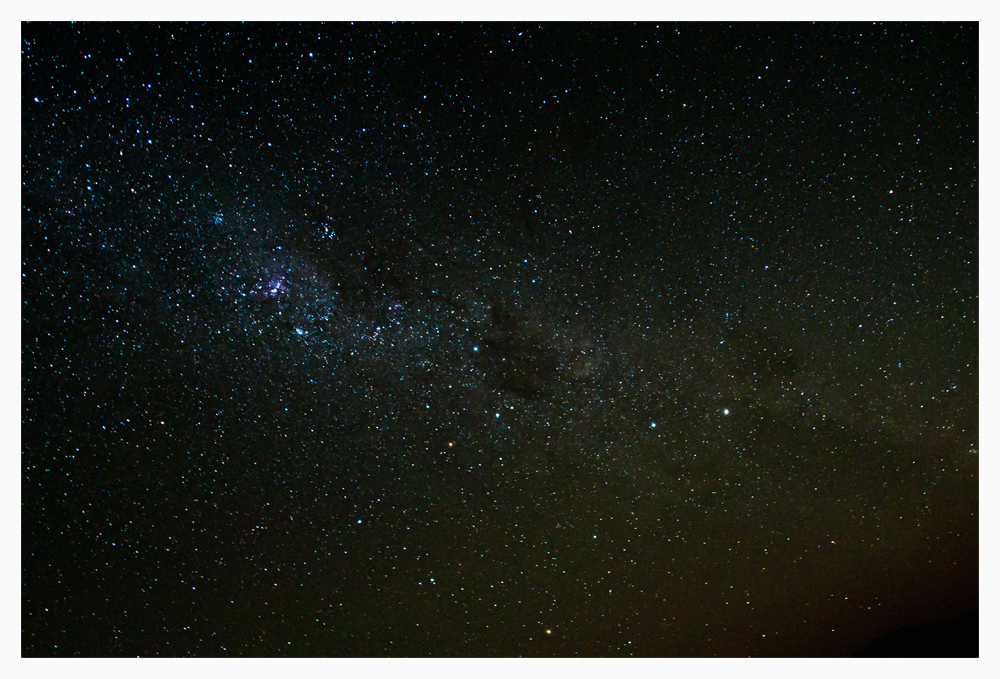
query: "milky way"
560, 340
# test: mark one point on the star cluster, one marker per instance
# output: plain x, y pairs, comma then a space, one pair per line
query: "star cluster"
457, 340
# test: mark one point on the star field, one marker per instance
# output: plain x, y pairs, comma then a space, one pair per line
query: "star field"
497, 340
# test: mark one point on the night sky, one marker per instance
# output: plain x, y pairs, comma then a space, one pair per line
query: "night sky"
497, 340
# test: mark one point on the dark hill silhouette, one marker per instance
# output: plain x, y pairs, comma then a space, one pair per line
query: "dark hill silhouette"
956, 638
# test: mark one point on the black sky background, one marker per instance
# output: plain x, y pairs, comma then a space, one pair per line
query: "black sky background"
497, 340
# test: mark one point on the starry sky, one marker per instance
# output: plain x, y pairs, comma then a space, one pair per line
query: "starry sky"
491, 340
